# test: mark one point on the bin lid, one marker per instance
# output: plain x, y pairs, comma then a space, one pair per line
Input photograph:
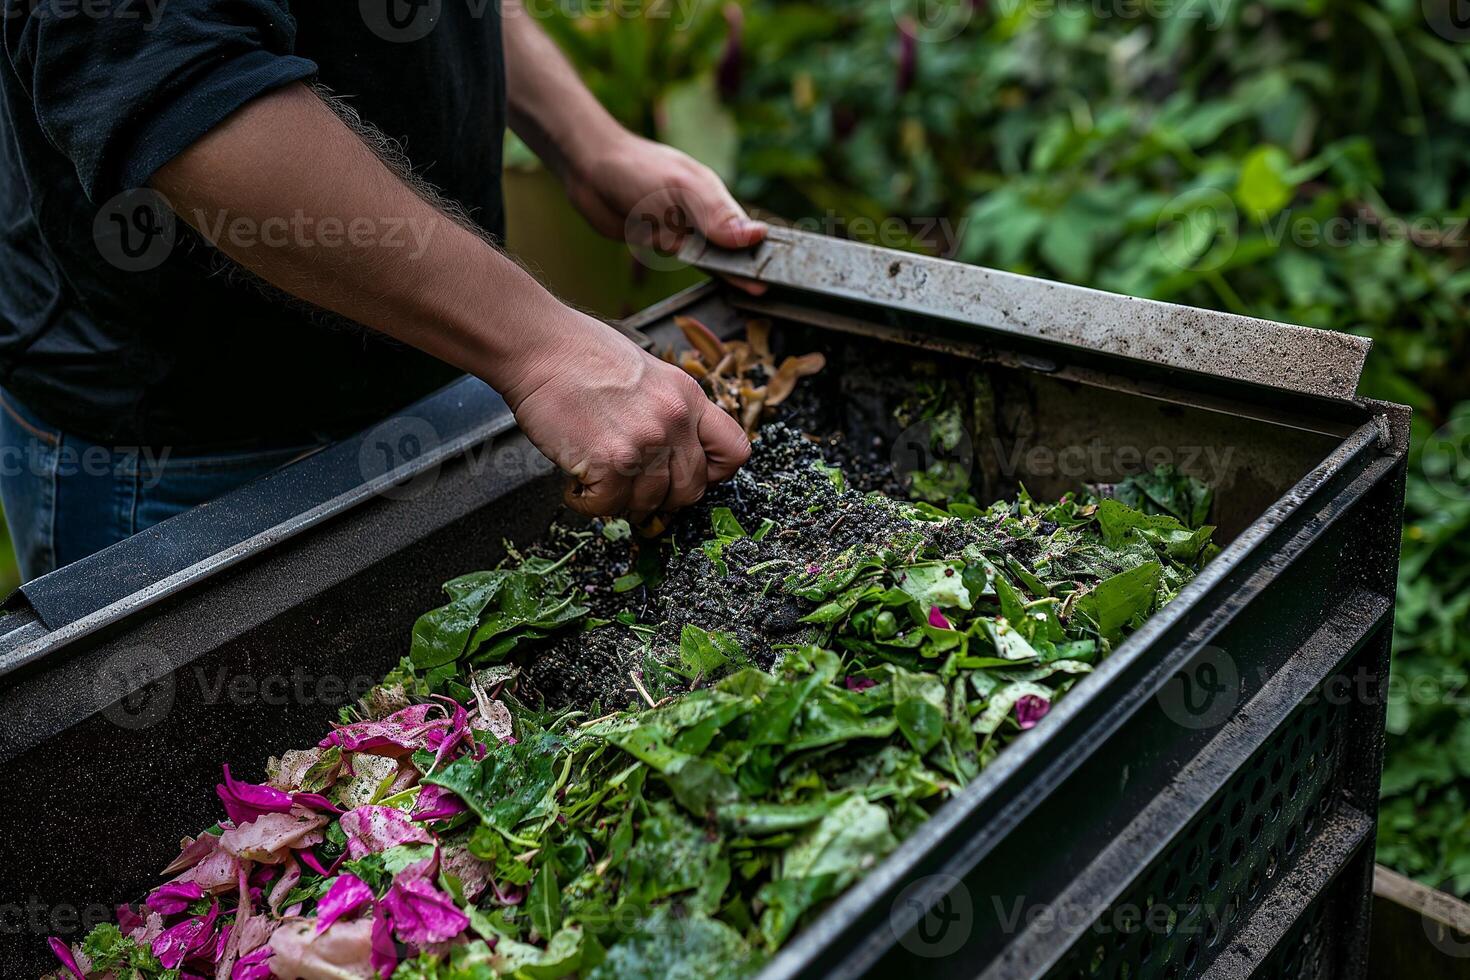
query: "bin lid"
1300, 360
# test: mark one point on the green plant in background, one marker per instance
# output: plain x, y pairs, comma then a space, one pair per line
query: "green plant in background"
1300, 160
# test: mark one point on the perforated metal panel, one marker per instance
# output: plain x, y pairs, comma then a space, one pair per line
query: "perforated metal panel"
1181, 911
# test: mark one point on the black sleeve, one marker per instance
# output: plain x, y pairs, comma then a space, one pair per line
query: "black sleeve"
121, 95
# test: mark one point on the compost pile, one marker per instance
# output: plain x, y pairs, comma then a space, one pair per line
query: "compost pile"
619, 757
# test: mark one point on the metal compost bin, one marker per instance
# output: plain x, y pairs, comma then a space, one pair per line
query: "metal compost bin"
1203, 805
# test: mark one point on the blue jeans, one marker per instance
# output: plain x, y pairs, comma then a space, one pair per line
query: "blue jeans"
66, 498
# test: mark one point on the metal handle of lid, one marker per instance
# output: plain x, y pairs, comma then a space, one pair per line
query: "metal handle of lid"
1302, 360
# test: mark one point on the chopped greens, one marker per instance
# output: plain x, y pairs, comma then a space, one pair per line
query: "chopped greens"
838, 666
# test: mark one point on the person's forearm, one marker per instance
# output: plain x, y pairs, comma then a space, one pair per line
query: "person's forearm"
550, 108
261, 185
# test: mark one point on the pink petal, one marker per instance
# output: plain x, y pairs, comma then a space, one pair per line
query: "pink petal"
253, 965
860, 683
436, 803
191, 852
371, 829
174, 897
348, 895
315, 801
68, 959
422, 914
384, 957
186, 940
1031, 708
407, 730
245, 802
344, 950
270, 837
283, 887
311, 861
937, 619
128, 919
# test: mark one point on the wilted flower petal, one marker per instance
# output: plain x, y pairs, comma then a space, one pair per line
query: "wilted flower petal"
408, 730
372, 828
1031, 708
174, 897
245, 802
437, 803
421, 913
348, 895
68, 959
253, 966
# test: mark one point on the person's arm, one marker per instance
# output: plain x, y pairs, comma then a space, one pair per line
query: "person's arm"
626, 186
637, 434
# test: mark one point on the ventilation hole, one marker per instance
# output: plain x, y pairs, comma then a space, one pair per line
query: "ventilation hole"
1294, 787
1212, 933
1192, 902
1254, 890
1275, 806
1296, 748
1217, 836
1258, 790
1291, 841
1213, 881
1171, 883
1270, 863
1191, 954
1310, 822
1276, 770
1237, 813
1191, 864
1315, 728
1237, 851
1256, 824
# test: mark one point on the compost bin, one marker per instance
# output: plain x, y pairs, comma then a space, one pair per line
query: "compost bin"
1203, 804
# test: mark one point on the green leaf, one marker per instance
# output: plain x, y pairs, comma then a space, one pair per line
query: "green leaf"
703, 653
1122, 599
544, 901
1265, 186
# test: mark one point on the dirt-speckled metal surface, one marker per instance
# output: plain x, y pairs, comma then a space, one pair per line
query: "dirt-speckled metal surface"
1297, 359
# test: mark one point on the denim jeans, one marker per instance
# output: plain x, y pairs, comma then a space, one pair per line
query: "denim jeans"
66, 498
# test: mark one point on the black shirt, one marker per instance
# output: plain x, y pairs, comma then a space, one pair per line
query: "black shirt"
109, 331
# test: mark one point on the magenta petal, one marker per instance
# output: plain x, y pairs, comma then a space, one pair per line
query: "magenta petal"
1031, 708
309, 859
436, 803
860, 683
246, 801
384, 954
128, 919
938, 620
316, 801
407, 730
371, 829
64, 954
348, 895
421, 913
253, 966
185, 940
174, 897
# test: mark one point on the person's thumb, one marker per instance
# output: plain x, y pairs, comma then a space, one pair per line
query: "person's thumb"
721, 219
725, 447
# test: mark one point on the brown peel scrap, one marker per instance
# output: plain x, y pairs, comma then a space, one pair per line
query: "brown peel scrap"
741, 376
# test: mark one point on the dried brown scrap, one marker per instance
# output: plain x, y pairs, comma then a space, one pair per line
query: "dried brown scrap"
742, 375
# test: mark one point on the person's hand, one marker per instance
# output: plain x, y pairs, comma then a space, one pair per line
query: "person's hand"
653, 195
636, 434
